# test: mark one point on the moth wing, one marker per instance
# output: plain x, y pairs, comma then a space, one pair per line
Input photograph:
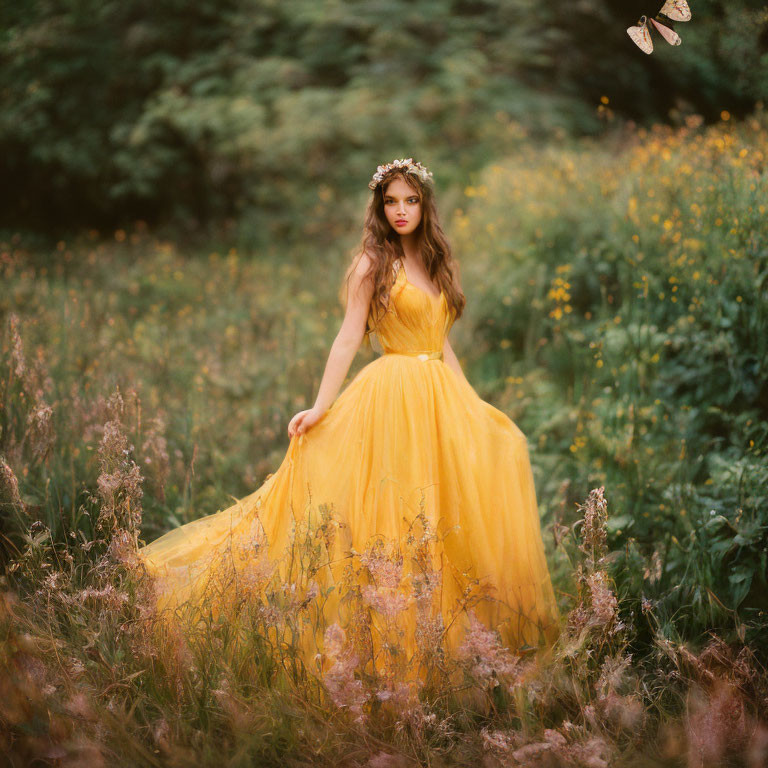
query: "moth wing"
641, 35
677, 10
668, 34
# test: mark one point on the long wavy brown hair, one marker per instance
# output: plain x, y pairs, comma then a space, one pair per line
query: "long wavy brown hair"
382, 243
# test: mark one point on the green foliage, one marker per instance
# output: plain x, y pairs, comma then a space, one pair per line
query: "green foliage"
634, 274
266, 113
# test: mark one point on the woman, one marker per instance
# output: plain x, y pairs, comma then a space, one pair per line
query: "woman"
407, 439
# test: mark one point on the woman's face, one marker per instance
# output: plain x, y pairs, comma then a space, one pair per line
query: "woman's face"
402, 206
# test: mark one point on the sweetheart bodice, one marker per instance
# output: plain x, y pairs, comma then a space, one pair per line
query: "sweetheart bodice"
415, 321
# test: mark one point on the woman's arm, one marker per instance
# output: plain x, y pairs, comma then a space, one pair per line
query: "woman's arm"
349, 337
452, 361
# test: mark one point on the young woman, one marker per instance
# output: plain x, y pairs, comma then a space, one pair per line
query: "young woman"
408, 434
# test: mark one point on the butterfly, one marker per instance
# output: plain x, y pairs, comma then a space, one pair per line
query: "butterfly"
674, 10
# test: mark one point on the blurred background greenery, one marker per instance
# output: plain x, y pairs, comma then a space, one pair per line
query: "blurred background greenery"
268, 115
184, 183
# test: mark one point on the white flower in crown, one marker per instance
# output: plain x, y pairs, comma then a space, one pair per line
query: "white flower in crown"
407, 163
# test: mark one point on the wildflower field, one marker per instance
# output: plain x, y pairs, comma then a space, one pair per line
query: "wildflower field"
617, 311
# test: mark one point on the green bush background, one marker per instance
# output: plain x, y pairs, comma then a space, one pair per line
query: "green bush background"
237, 113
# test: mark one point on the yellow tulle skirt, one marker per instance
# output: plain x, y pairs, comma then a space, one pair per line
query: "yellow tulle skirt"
407, 509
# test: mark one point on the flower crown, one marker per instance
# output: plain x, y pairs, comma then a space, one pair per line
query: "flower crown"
406, 163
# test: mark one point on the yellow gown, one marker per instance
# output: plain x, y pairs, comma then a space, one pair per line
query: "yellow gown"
408, 447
